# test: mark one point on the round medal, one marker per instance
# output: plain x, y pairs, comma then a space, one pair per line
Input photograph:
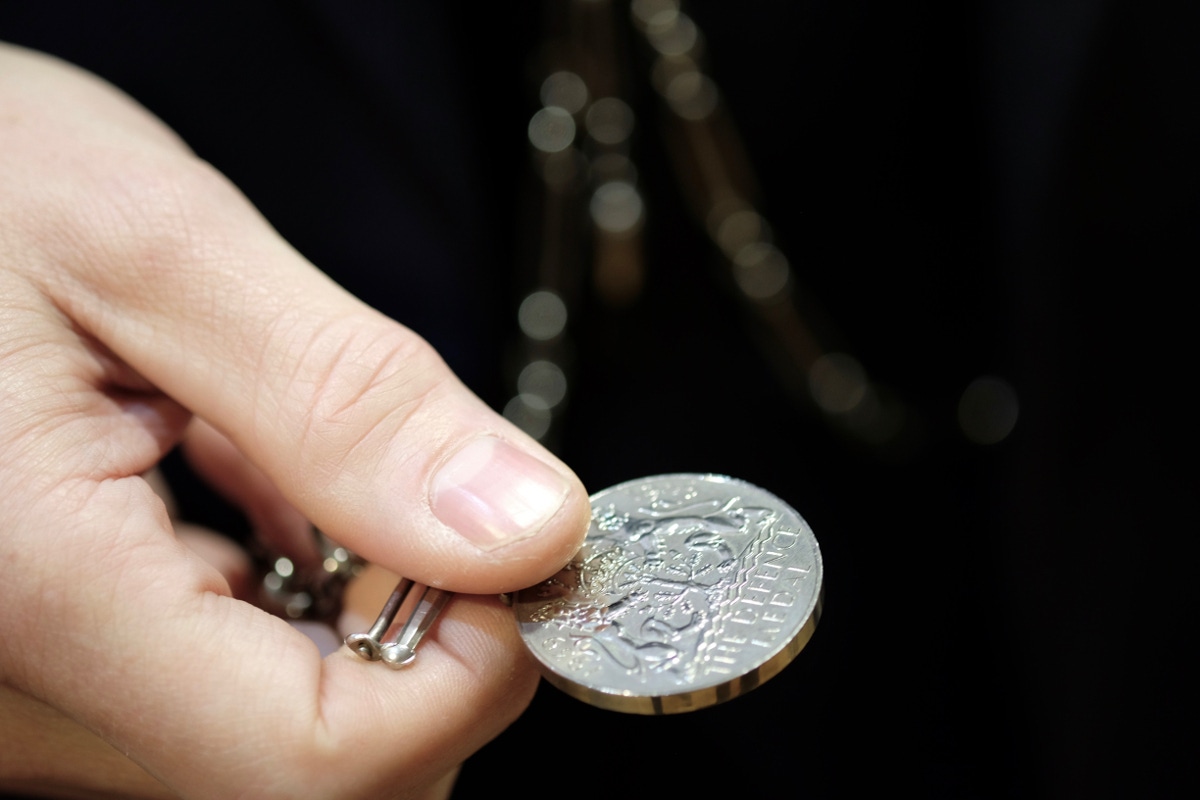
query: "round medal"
690, 590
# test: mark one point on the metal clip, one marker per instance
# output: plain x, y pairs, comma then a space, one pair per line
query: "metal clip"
401, 650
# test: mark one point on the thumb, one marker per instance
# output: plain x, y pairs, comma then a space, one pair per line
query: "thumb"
354, 417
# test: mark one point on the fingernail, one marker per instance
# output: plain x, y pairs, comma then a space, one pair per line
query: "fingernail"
492, 493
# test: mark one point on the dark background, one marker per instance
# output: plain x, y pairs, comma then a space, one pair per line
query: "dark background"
964, 189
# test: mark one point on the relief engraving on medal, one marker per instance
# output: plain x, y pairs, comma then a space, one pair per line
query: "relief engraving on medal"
683, 581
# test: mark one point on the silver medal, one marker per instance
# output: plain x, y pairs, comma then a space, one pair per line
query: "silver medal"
689, 590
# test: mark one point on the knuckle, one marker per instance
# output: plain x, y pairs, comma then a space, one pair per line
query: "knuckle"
359, 385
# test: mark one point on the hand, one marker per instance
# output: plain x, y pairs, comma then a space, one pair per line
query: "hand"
137, 289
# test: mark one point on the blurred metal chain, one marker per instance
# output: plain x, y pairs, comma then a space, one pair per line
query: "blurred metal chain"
313, 593
592, 211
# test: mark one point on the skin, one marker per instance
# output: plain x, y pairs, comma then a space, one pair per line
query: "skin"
144, 303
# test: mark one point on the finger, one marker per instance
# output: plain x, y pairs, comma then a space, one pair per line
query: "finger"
355, 418
276, 522
303, 728
206, 666
46, 754
443, 788
162, 488
225, 556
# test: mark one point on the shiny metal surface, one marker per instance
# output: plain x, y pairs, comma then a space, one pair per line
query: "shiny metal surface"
689, 590
401, 649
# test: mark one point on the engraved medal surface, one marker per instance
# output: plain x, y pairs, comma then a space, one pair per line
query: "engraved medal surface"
689, 590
